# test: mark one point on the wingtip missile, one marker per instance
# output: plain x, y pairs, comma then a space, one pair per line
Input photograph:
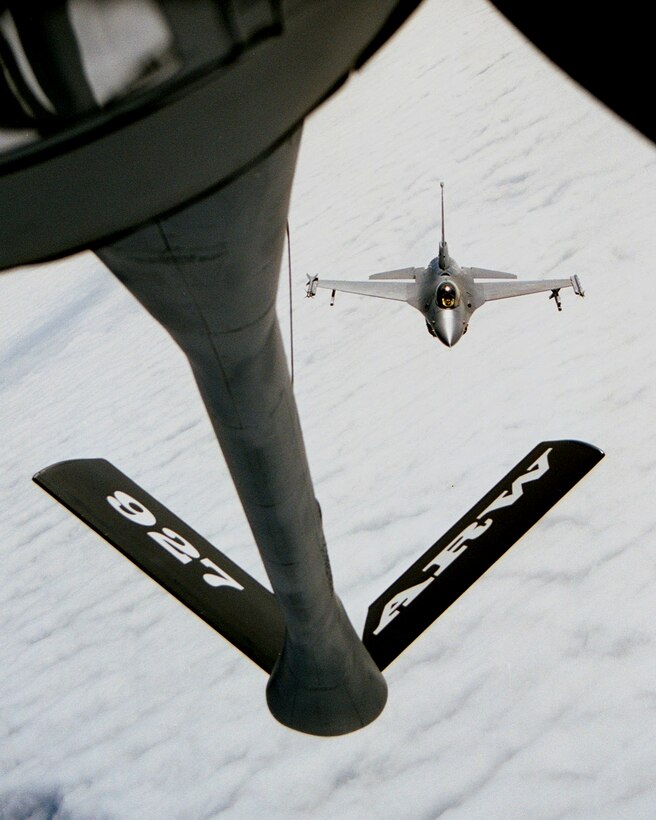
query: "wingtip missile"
576, 285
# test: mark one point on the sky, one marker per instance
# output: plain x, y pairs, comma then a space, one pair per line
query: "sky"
533, 695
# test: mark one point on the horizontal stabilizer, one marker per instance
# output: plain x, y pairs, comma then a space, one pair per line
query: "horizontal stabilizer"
471, 546
178, 558
401, 273
486, 273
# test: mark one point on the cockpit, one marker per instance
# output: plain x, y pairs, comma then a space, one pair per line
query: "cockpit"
447, 296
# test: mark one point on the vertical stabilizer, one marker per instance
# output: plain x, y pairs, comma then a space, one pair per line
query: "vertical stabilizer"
444, 258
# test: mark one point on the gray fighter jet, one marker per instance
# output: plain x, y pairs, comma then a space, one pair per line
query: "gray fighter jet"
443, 292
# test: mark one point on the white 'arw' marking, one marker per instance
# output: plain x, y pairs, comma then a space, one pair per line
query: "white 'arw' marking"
446, 556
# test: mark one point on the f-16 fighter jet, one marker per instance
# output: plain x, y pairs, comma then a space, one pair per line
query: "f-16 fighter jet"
444, 293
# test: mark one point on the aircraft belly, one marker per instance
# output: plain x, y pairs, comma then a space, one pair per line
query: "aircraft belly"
141, 157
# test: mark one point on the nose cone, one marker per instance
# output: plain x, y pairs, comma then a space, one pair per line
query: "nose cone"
448, 327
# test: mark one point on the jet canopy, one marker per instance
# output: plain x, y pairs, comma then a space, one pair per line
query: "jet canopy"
447, 296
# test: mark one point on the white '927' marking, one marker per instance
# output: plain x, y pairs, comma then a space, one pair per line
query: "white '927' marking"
177, 546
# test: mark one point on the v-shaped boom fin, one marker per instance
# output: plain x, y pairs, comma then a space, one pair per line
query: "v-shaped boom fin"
470, 547
178, 558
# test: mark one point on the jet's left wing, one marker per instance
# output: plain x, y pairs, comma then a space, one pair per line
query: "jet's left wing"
401, 291
504, 290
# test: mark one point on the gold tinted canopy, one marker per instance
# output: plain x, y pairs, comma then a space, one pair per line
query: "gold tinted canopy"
447, 296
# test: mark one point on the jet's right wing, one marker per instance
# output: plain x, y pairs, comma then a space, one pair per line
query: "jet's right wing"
400, 291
